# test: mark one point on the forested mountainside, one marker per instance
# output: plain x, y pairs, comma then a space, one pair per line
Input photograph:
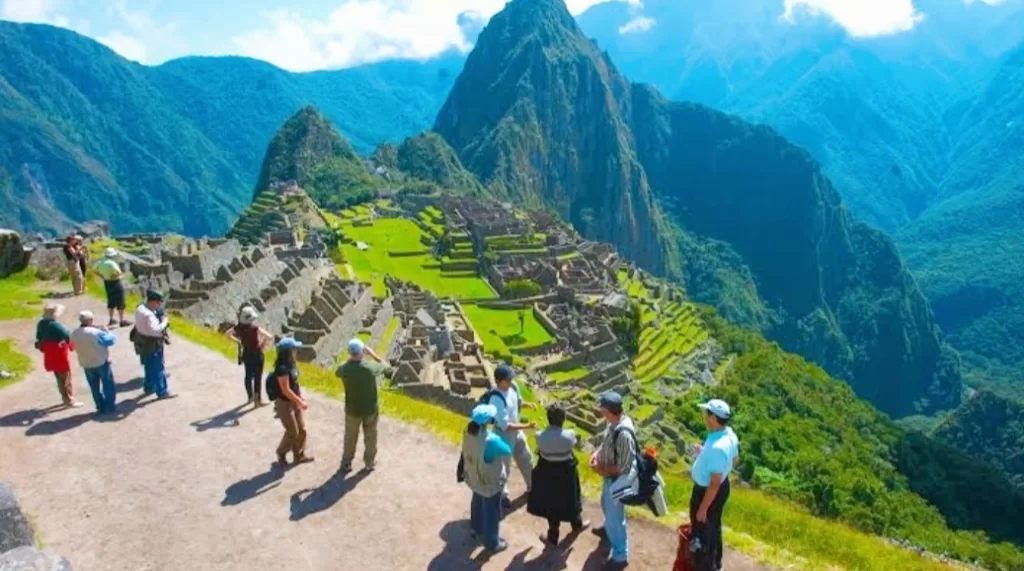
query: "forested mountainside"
541, 114
87, 134
989, 428
919, 131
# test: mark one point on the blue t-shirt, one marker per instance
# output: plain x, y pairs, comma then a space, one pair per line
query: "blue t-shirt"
716, 457
495, 447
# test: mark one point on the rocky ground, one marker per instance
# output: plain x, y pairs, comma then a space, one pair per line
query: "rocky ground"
188, 483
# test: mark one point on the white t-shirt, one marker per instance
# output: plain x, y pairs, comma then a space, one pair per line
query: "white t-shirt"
508, 411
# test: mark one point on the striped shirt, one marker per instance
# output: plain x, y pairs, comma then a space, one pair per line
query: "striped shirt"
619, 451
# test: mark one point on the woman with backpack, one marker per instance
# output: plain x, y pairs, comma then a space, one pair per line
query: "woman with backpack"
251, 339
555, 495
484, 472
289, 406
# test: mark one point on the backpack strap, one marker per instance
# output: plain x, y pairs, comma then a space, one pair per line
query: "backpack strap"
490, 394
615, 438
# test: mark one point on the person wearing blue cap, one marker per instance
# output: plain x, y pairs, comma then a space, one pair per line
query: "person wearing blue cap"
361, 409
149, 337
507, 401
289, 406
710, 472
615, 461
485, 473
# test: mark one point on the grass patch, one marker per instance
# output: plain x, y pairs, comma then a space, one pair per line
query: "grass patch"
20, 297
569, 376
499, 329
14, 362
387, 335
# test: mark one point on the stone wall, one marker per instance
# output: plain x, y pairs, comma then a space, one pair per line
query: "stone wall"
17, 541
201, 260
344, 327
440, 396
221, 303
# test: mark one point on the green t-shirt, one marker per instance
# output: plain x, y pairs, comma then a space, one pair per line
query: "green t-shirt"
360, 380
108, 269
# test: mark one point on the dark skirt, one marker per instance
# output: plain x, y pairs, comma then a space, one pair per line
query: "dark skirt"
555, 492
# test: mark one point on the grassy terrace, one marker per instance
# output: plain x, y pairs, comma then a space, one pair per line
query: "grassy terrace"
678, 334
499, 329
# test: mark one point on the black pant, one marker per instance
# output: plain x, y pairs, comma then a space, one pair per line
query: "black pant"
253, 361
553, 525
710, 533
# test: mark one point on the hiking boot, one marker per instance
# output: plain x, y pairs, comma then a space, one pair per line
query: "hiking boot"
282, 460
304, 459
370, 467
549, 539
258, 402
125, 323
168, 396
345, 468
112, 323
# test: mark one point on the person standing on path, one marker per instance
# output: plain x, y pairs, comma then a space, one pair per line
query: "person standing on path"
73, 258
110, 271
252, 339
289, 406
361, 409
710, 472
556, 495
54, 341
92, 344
616, 463
506, 400
150, 332
485, 472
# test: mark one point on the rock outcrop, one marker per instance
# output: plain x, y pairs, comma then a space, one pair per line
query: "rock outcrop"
13, 257
17, 542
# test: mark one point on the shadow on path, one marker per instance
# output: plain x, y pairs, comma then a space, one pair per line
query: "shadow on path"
459, 548
325, 496
244, 490
226, 419
51, 427
59, 294
25, 418
457, 554
130, 385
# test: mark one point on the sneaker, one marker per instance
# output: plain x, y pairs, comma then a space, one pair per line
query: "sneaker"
616, 565
282, 460
304, 459
502, 546
168, 396
75, 404
370, 467
125, 323
112, 323
258, 403
345, 468
550, 541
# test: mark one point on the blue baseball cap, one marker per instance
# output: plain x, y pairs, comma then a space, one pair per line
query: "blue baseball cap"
504, 373
356, 347
484, 413
611, 401
154, 295
289, 343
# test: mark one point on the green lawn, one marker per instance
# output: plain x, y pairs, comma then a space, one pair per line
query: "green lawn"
388, 235
19, 297
499, 328
389, 333
569, 376
14, 362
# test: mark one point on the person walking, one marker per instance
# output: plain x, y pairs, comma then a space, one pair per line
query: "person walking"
615, 461
108, 269
73, 258
150, 334
715, 460
506, 399
54, 341
484, 471
289, 406
92, 345
361, 409
251, 339
556, 495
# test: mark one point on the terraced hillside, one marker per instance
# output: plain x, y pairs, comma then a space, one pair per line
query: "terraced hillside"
272, 211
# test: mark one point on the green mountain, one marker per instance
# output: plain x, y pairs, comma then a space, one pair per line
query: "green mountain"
301, 145
989, 428
745, 218
85, 134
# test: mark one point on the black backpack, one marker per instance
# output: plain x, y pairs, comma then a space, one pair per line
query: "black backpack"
647, 473
460, 469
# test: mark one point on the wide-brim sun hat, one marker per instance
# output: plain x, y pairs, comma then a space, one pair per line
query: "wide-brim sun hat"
248, 315
110, 253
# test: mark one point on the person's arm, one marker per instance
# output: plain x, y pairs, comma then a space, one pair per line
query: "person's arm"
233, 335
106, 339
265, 338
65, 335
373, 354
495, 448
709, 497
284, 383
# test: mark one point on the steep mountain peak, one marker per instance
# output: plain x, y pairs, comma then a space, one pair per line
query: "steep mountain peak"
306, 140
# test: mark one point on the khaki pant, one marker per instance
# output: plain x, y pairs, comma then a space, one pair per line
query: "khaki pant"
294, 422
64, 387
76, 276
369, 426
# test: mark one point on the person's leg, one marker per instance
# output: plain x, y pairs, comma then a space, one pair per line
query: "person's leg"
249, 365
109, 388
160, 374
703, 557
553, 524
62, 387
476, 522
300, 441
370, 440
291, 432
614, 524
715, 522
491, 513
509, 436
257, 382
93, 377
524, 460
352, 425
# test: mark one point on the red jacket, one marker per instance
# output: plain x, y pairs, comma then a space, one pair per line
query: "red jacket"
56, 355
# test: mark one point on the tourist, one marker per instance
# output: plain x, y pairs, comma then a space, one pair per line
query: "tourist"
710, 472
361, 410
615, 462
72, 256
54, 340
485, 472
289, 406
110, 271
507, 401
92, 345
83, 257
252, 339
150, 336
555, 495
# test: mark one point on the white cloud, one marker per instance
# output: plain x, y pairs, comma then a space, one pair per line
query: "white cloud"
637, 25
860, 18
127, 46
364, 31
35, 11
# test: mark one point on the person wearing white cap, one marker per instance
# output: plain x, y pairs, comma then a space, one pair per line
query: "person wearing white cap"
710, 472
108, 269
54, 340
92, 345
485, 473
361, 408
289, 406
252, 340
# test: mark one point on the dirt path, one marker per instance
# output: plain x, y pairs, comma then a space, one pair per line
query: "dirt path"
187, 483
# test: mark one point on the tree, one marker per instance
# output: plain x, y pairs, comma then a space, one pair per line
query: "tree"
627, 328
518, 289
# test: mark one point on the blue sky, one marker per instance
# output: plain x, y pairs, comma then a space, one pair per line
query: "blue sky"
302, 35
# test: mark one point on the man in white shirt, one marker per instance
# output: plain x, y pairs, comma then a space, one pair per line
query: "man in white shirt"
507, 401
149, 343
